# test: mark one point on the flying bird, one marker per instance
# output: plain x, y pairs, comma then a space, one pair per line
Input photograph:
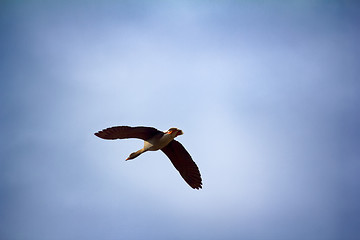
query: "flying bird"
156, 140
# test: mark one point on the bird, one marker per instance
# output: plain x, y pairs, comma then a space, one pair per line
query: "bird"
154, 140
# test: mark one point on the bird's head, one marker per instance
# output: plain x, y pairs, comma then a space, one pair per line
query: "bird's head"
174, 132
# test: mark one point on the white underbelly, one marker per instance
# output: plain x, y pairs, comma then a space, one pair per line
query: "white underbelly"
157, 143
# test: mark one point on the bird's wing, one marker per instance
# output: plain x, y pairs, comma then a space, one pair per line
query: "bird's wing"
121, 132
183, 162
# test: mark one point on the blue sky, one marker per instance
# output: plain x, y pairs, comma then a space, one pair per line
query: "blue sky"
266, 92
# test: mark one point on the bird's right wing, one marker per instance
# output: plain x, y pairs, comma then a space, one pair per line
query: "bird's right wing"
183, 162
121, 132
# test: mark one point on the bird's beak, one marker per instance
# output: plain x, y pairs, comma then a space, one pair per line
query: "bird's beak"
179, 133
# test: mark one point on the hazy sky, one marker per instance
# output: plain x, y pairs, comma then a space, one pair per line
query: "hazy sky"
266, 92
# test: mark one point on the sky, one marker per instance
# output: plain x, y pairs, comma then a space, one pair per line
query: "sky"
266, 93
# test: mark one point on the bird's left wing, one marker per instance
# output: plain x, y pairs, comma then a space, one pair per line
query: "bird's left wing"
183, 162
121, 132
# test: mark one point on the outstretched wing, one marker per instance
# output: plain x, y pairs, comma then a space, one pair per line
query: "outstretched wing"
183, 162
121, 132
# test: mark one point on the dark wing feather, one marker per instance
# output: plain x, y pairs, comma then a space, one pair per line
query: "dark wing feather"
121, 132
183, 162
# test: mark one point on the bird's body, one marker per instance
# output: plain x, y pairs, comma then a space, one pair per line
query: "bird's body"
158, 141
155, 140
